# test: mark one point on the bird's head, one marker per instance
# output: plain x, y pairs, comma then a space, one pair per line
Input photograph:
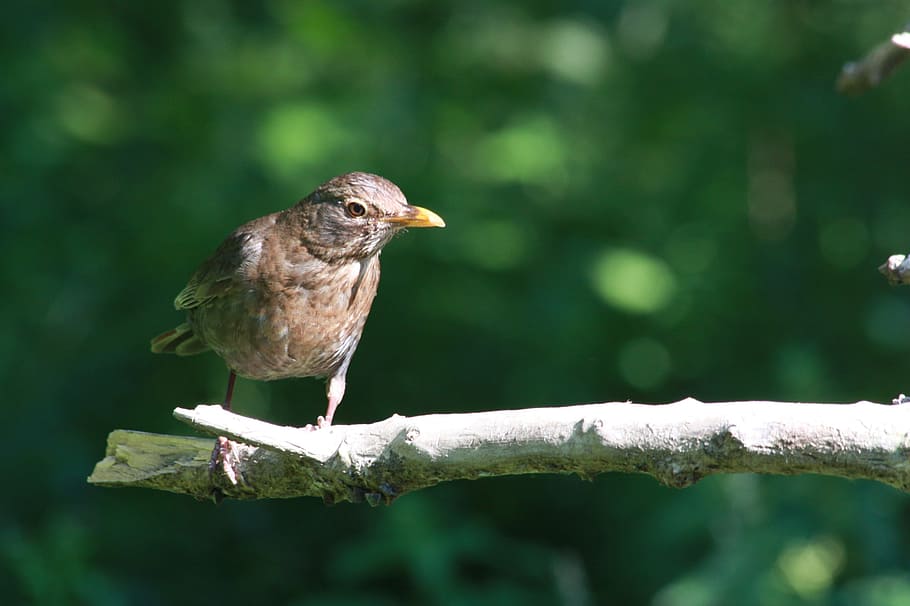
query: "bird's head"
354, 215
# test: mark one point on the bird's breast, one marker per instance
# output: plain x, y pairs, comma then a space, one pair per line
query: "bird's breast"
300, 319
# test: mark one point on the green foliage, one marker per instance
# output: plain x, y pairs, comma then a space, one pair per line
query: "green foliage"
645, 200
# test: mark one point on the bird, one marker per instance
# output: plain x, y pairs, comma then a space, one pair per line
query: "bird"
287, 295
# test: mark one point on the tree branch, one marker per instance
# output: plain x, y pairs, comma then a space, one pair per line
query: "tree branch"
859, 76
677, 443
896, 269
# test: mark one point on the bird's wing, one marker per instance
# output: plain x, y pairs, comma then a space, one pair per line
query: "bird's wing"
217, 275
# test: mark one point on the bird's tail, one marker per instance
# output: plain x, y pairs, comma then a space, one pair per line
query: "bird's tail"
181, 341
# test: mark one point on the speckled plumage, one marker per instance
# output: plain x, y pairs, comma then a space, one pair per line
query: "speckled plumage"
288, 294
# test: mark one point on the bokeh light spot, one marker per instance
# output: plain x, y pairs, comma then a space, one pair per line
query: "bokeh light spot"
89, 114
575, 51
300, 134
642, 27
633, 281
809, 568
531, 150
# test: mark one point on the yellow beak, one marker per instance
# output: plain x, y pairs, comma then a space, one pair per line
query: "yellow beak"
416, 216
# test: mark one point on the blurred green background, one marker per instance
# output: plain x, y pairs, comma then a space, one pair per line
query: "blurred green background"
645, 200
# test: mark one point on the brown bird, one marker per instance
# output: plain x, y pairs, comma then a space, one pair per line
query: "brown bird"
287, 295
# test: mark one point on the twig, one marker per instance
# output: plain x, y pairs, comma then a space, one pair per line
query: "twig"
859, 76
896, 269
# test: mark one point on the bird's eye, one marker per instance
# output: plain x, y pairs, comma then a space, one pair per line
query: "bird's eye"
356, 209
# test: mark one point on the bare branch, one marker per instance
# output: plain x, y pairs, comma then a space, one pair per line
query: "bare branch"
677, 443
896, 269
859, 76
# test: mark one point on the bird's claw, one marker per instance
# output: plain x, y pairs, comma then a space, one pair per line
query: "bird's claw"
321, 423
226, 458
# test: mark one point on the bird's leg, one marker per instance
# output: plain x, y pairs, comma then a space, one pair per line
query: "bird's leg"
334, 391
230, 390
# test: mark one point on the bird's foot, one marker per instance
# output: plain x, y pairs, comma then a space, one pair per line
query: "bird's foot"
321, 423
225, 461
